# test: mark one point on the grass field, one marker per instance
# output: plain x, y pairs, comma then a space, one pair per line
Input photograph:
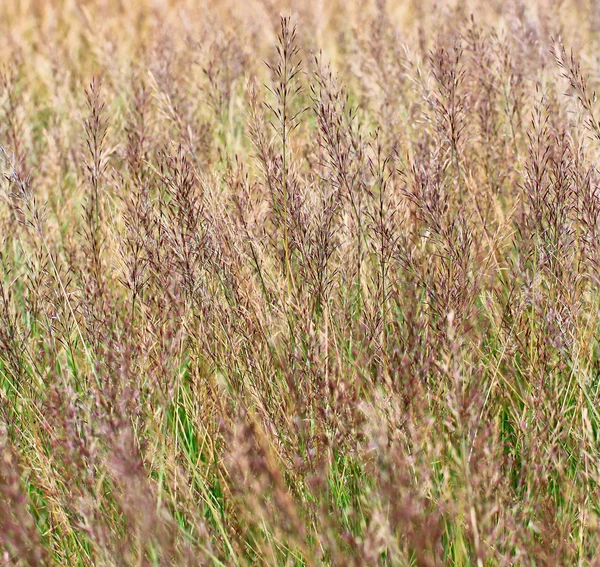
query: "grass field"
299, 283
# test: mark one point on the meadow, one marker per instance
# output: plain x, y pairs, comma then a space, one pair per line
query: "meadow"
299, 283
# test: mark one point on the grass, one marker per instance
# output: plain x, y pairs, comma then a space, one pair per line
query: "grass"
304, 284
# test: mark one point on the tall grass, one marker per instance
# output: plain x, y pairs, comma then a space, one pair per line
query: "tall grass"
308, 283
